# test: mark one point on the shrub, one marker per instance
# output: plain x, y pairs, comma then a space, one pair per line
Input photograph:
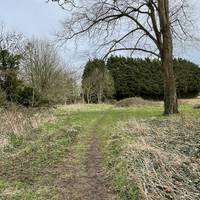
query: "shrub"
27, 97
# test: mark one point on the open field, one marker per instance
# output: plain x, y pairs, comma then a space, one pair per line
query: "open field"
100, 152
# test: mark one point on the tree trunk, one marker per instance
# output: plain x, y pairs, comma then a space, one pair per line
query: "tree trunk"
170, 96
88, 98
166, 51
100, 95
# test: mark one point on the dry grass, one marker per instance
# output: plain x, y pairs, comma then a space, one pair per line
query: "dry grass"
193, 101
163, 157
136, 101
20, 121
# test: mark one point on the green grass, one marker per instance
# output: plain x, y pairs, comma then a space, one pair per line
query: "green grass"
24, 161
27, 164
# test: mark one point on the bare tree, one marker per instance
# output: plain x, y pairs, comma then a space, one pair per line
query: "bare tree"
43, 71
39, 66
87, 85
97, 83
10, 40
148, 26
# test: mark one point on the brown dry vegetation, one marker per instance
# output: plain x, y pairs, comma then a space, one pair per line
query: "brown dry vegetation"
136, 101
162, 157
20, 121
192, 101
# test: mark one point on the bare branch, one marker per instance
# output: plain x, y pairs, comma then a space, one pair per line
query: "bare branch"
132, 49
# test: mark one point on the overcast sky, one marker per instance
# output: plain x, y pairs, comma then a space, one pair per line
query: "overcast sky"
36, 18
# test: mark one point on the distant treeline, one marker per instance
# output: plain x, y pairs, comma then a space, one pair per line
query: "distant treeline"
143, 77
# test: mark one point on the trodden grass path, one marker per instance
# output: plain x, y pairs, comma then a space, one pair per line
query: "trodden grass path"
85, 177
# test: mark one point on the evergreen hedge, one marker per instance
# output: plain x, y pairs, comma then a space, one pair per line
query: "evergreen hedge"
143, 77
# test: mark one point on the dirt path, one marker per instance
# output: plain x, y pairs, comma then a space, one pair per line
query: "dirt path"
96, 180
82, 177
